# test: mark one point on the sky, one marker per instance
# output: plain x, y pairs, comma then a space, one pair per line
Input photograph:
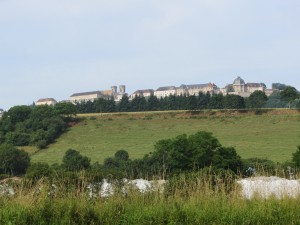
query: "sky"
57, 48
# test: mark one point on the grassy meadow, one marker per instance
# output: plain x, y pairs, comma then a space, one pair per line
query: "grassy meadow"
271, 134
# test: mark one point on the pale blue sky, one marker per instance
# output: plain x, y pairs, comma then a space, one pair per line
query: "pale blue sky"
55, 48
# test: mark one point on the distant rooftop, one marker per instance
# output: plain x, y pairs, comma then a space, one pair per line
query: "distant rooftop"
86, 93
238, 81
46, 100
166, 88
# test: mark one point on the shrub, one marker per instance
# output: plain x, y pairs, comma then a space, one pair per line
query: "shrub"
38, 170
12, 160
73, 160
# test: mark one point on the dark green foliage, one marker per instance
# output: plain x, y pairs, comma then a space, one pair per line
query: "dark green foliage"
124, 105
117, 166
234, 102
261, 165
257, 99
227, 158
17, 138
216, 101
187, 153
12, 160
289, 94
138, 103
275, 101
152, 103
19, 113
73, 161
38, 170
296, 157
122, 156
65, 109
110, 163
278, 86
40, 125
104, 105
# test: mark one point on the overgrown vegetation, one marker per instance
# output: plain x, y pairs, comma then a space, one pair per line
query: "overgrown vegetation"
194, 198
35, 125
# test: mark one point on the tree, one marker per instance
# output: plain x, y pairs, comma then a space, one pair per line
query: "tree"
278, 86
216, 101
65, 109
234, 102
138, 103
122, 155
185, 153
203, 100
152, 103
124, 104
38, 170
19, 113
289, 94
296, 157
257, 99
227, 158
275, 100
73, 161
12, 160
191, 102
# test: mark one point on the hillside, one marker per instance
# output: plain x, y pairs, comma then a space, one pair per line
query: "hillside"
272, 134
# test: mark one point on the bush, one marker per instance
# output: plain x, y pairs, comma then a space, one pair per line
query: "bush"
12, 160
73, 161
38, 170
41, 144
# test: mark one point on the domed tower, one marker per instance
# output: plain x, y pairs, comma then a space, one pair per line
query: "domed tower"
239, 85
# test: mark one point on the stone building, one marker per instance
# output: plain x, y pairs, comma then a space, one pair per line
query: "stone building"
163, 92
85, 96
46, 101
240, 87
105, 94
195, 89
145, 93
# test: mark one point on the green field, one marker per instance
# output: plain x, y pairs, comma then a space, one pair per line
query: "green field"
274, 134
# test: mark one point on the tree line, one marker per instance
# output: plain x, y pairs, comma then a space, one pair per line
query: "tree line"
288, 97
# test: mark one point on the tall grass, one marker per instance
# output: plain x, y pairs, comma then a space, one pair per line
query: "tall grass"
197, 198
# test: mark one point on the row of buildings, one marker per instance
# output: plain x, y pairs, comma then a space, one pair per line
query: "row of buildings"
238, 87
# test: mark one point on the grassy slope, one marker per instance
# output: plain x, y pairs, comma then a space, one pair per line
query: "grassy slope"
273, 135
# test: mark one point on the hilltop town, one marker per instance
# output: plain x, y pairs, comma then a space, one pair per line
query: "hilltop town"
238, 87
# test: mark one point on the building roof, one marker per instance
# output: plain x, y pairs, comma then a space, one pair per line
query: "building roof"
86, 93
168, 88
238, 81
197, 86
46, 100
107, 92
145, 91
256, 85
253, 84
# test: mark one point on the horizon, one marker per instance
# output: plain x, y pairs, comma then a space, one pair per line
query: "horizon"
54, 49
131, 92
